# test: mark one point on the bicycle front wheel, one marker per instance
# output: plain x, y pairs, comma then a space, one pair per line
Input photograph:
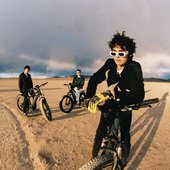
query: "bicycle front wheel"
66, 104
104, 162
45, 109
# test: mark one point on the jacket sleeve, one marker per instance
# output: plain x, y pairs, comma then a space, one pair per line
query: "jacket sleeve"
96, 79
20, 83
136, 93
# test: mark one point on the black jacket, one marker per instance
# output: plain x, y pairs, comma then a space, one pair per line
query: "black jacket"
25, 83
78, 82
130, 87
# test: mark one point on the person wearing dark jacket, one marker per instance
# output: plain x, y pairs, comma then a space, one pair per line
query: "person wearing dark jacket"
78, 83
125, 82
25, 83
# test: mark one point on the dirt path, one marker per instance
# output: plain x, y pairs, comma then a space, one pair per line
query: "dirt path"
13, 144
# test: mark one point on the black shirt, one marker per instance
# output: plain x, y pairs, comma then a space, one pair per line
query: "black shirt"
130, 87
78, 82
25, 82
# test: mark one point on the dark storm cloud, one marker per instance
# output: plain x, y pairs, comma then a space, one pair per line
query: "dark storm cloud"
64, 35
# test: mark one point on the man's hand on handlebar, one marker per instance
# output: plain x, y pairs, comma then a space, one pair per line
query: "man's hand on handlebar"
37, 86
92, 103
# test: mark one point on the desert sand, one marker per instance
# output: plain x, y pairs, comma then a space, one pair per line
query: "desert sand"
65, 143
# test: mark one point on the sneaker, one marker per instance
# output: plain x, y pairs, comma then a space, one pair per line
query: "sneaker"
25, 114
124, 161
78, 103
94, 154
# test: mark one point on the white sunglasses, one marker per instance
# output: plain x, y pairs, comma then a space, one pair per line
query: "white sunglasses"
118, 54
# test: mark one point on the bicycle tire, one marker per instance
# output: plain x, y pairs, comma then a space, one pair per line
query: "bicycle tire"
98, 162
20, 101
45, 109
69, 102
102, 162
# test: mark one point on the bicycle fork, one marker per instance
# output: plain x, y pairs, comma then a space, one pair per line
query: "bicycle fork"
115, 129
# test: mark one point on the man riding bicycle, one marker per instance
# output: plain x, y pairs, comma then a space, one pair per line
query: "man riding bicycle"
125, 84
78, 83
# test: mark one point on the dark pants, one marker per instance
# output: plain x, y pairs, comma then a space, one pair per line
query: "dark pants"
25, 104
125, 123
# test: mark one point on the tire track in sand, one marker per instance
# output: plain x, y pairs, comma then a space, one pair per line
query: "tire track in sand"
14, 152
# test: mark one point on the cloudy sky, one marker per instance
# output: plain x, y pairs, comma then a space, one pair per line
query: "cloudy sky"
62, 35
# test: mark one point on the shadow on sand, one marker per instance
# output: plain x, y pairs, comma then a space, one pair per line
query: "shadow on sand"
151, 118
75, 112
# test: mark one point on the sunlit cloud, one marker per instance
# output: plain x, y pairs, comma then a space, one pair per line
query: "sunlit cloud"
155, 65
50, 64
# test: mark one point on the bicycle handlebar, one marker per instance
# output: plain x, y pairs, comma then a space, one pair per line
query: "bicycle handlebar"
68, 84
42, 84
150, 101
37, 86
145, 103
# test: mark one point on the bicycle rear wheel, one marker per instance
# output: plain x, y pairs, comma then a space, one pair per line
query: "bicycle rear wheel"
45, 109
66, 104
20, 101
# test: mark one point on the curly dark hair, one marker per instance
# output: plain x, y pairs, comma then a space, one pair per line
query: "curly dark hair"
124, 42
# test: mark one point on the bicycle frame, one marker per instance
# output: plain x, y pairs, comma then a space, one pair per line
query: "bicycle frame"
71, 92
111, 143
38, 96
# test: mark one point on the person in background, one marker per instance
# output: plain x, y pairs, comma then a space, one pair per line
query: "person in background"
78, 83
25, 83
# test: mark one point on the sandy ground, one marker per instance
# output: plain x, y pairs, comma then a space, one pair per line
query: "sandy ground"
65, 143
